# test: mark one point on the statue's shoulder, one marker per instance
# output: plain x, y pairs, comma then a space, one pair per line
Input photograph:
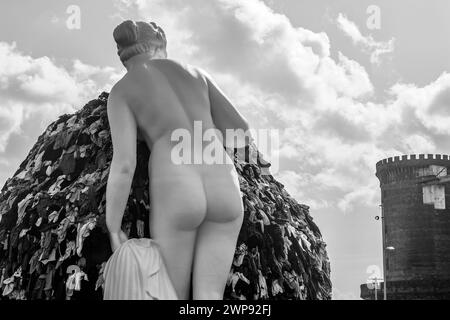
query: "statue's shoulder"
118, 90
123, 83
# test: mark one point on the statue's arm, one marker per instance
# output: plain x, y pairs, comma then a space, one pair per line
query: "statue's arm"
225, 115
123, 134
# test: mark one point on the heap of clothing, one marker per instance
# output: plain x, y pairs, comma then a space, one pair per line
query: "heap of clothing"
53, 235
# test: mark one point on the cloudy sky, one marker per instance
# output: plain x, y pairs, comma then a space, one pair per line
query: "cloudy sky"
344, 90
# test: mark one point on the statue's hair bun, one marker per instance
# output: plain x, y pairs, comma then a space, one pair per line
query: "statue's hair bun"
133, 38
126, 33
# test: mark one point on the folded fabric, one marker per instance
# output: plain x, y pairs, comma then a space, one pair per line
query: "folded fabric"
22, 206
51, 257
49, 278
71, 121
305, 241
70, 250
100, 280
140, 228
264, 217
21, 175
83, 232
74, 196
56, 187
38, 222
234, 278
53, 217
23, 232
276, 288
9, 286
34, 261
18, 273
49, 171
62, 228
70, 285
78, 277
262, 284
38, 162
67, 164
238, 259
136, 271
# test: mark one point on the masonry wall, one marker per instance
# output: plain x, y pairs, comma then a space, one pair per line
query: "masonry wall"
419, 233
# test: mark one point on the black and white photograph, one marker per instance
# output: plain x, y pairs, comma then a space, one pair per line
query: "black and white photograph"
234, 154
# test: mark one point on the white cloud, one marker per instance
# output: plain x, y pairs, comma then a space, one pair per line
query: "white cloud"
296, 184
257, 46
33, 78
10, 119
38, 88
428, 105
368, 43
364, 196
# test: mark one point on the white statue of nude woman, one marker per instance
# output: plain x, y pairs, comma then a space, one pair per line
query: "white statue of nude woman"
196, 209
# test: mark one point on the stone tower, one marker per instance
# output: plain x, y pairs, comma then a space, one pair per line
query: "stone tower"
415, 197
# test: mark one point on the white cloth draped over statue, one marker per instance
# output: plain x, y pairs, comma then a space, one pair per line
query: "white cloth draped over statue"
136, 271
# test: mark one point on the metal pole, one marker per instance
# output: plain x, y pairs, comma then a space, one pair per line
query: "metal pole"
376, 285
384, 252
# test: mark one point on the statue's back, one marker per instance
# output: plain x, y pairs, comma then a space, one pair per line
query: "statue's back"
165, 95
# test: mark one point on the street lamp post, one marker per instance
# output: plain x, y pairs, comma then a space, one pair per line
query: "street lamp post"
383, 231
384, 252
376, 292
